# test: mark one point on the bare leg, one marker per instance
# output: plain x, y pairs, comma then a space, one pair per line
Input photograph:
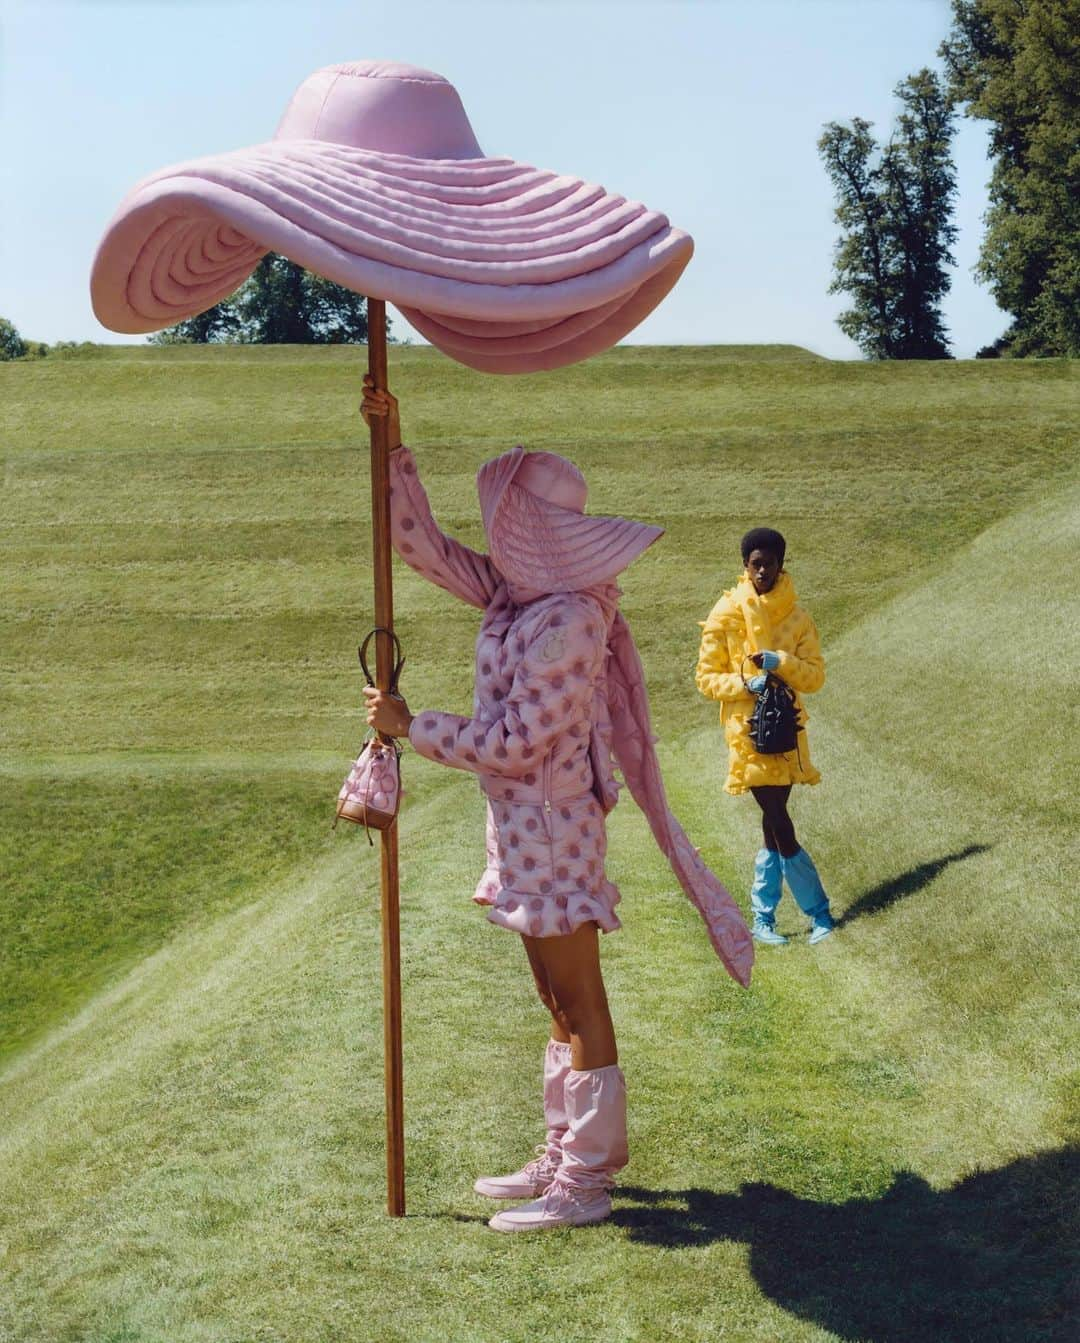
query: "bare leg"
574, 994
560, 1031
775, 821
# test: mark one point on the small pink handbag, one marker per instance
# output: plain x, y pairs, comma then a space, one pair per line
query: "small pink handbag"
371, 793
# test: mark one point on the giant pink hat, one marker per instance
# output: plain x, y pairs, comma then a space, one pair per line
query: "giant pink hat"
374, 179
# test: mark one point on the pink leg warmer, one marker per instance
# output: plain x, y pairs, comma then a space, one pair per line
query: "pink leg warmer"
556, 1071
594, 1148
593, 1152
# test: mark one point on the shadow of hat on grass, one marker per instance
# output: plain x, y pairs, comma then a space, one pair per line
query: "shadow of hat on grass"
994, 1257
907, 883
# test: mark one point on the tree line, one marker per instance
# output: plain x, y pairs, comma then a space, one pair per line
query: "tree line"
1016, 65
1012, 63
280, 303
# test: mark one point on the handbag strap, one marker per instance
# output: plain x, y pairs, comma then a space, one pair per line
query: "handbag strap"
769, 675
742, 674
399, 658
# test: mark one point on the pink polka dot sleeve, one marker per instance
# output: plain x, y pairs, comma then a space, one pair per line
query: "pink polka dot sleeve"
551, 694
418, 540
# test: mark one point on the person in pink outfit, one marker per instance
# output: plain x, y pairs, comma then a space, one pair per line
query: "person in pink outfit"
559, 692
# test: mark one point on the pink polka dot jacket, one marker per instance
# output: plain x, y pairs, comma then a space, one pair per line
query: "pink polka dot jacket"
559, 700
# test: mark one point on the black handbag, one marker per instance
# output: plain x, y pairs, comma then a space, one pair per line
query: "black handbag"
774, 724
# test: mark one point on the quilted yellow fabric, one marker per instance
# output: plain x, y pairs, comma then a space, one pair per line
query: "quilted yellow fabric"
743, 622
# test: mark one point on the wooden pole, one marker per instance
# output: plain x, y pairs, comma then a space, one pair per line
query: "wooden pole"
384, 662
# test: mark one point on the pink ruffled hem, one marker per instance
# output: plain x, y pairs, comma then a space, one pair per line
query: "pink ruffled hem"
554, 915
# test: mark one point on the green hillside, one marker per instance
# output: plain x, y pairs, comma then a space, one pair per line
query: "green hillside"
876, 1142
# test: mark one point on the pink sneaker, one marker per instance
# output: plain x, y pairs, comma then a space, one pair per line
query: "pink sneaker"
562, 1205
593, 1152
532, 1179
535, 1178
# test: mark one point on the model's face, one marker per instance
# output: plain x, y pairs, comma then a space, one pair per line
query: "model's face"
764, 569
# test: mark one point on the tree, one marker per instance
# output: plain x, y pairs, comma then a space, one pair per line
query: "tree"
1016, 64
273, 304
280, 303
920, 185
894, 211
339, 315
12, 345
216, 324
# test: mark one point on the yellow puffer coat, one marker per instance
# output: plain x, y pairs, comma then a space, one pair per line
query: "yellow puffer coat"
743, 622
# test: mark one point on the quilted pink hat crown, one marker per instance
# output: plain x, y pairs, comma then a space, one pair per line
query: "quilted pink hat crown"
374, 179
381, 105
539, 535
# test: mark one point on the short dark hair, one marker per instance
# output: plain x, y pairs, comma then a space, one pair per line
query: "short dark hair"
763, 538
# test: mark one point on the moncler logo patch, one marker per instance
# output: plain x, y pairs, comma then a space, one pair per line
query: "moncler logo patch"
553, 647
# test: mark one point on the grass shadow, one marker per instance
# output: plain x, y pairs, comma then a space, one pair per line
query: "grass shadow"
896, 888
992, 1258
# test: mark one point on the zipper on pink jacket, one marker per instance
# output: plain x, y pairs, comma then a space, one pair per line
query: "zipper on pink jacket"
545, 775
545, 779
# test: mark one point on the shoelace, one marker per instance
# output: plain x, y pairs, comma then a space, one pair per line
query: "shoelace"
560, 1192
556, 1195
541, 1164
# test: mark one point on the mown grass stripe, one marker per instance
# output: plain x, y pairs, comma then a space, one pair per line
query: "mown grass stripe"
873, 1142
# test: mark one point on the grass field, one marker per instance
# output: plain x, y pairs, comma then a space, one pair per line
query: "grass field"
878, 1141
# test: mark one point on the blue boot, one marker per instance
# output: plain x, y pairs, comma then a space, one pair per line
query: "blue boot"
805, 884
765, 895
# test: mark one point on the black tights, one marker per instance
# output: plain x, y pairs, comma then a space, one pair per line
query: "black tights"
776, 825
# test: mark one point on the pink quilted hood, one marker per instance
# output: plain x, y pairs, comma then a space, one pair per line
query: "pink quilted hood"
539, 536
375, 180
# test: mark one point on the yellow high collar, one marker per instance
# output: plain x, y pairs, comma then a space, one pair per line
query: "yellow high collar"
763, 610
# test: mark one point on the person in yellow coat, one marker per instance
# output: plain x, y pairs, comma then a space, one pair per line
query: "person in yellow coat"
759, 627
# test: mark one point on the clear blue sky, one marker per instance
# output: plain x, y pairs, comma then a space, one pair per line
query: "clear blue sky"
709, 111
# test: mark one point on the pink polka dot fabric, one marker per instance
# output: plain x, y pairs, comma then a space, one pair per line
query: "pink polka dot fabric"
546, 840
545, 870
375, 179
559, 699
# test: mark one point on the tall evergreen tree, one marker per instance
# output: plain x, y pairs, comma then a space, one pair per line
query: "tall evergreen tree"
919, 183
860, 263
895, 213
1016, 64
